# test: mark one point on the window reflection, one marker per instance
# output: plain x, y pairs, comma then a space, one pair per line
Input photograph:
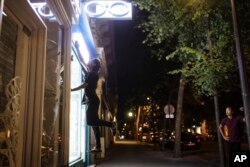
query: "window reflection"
52, 140
9, 103
77, 116
75, 108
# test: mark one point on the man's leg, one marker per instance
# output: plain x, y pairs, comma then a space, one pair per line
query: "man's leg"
100, 122
112, 125
93, 118
236, 146
97, 137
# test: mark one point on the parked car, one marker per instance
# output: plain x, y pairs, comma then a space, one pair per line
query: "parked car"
188, 141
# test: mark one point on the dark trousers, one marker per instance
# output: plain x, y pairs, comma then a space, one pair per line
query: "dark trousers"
94, 121
231, 149
234, 146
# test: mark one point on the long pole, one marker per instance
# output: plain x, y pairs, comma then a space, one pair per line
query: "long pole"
242, 71
220, 141
1, 13
137, 123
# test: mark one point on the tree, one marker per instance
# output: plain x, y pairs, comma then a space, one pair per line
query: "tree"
202, 36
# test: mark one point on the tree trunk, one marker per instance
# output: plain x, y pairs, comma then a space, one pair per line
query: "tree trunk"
216, 107
137, 122
220, 141
177, 144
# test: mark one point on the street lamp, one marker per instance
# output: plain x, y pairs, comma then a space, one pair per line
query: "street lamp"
130, 114
131, 124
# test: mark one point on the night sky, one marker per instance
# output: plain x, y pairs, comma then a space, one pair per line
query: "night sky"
134, 65
137, 71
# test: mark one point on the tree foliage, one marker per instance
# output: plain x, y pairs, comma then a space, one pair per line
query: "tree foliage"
203, 37
202, 34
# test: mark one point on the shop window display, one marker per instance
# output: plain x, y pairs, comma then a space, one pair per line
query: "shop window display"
52, 141
77, 116
10, 88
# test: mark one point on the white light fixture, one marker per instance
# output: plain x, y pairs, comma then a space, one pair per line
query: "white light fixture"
77, 36
118, 10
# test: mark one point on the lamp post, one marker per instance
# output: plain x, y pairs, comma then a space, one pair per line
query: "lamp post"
132, 124
242, 71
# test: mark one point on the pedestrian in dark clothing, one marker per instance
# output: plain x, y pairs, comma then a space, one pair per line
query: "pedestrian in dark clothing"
93, 102
230, 129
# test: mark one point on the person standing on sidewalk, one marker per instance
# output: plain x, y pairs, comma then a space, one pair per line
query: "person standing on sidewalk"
93, 102
231, 128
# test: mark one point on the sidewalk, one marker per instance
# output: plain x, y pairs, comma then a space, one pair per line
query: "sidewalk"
134, 154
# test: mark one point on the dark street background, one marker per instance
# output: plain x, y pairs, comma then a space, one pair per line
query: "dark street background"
135, 154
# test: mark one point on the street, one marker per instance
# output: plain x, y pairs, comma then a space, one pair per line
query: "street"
135, 154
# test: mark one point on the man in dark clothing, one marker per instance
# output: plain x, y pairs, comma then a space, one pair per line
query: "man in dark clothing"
230, 129
93, 102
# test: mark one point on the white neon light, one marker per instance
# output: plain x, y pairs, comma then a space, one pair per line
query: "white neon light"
109, 9
4, 13
43, 10
118, 9
77, 36
100, 9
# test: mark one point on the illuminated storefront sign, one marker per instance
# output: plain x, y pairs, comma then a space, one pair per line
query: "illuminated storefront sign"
109, 9
43, 10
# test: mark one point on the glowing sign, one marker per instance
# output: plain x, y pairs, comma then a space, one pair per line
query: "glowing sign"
109, 9
43, 10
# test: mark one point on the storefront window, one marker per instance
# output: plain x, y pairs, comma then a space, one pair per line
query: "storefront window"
77, 116
9, 102
80, 56
54, 85
54, 121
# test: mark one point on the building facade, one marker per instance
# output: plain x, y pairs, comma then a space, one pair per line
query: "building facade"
42, 122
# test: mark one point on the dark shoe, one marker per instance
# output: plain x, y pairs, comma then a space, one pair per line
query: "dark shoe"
95, 150
114, 128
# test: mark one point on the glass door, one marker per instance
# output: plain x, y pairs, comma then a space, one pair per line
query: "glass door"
77, 113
